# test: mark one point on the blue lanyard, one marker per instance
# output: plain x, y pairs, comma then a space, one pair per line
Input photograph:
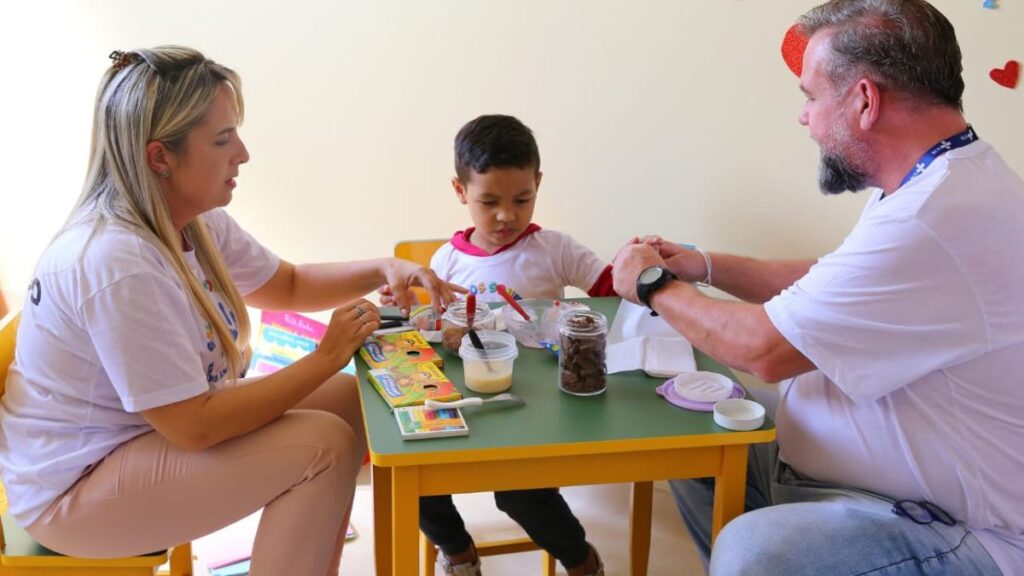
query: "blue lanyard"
952, 143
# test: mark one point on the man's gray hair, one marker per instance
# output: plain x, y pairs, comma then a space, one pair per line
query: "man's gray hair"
902, 45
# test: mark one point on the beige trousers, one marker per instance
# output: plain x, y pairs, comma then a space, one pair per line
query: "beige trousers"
148, 495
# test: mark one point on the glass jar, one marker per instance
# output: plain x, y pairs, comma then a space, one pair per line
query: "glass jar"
454, 323
582, 335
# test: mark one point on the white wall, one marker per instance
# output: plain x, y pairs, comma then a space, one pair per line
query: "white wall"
667, 117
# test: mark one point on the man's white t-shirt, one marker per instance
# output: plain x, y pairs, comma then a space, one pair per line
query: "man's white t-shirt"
105, 334
916, 326
540, 264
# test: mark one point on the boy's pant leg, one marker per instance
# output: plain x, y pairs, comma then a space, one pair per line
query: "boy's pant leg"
545, 516
443, 525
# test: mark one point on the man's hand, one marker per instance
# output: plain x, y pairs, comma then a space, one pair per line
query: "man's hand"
632, 259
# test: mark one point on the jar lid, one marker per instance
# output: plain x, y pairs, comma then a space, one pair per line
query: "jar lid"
497, 346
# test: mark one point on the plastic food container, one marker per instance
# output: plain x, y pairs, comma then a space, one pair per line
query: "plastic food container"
489, 371
454, 323
541, 330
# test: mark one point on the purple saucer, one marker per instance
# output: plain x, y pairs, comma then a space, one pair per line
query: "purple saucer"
668, 392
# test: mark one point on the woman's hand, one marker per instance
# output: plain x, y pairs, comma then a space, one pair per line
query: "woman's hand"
402, 275
387, 298
349, 327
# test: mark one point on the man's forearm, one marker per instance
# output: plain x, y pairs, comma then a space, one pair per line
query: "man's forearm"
737, 334
753, 280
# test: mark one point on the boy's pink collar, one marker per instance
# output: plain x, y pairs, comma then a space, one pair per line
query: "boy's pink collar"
460, 241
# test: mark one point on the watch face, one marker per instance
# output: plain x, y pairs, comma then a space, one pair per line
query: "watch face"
650, 275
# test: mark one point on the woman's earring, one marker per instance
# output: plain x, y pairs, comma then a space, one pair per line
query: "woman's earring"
166, 173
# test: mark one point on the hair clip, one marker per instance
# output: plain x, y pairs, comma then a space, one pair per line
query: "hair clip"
121, 59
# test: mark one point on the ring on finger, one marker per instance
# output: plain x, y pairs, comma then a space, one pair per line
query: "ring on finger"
359, 311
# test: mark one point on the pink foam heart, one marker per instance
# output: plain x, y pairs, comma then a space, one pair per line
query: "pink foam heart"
793, 45
1007, 75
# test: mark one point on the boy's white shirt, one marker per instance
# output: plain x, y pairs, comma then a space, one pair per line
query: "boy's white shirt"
539, 265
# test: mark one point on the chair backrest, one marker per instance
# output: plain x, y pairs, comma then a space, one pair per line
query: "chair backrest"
420, 252
22, 553
8, 331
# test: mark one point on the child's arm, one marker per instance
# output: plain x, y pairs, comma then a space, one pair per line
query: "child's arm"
603, 285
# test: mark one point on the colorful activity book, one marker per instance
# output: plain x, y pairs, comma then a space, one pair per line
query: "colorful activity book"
284, 337
415, 422
398, 348
411, 384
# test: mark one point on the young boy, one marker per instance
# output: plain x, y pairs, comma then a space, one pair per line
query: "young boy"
497, 168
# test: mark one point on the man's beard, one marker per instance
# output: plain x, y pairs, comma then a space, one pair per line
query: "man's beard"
842, 161
836, 175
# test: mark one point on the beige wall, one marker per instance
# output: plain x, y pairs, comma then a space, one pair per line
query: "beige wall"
667, 117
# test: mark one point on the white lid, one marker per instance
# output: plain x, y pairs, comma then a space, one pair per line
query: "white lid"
739, 414
703, 386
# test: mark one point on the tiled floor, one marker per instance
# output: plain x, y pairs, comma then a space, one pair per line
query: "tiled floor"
603, 510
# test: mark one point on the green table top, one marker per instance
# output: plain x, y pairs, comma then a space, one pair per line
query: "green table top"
630, 409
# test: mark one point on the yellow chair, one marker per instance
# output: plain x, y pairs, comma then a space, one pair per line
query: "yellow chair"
21, 555
642, 496
418, 251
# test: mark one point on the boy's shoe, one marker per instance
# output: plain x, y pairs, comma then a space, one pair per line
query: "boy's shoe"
464, 569
599, 570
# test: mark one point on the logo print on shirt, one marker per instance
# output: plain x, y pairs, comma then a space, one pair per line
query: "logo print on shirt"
35, 291
230, 318
483, 287
210, 343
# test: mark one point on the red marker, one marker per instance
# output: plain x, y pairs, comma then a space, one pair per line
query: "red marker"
512, 302
470, 310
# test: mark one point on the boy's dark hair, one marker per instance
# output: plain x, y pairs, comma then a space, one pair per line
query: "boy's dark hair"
494, 141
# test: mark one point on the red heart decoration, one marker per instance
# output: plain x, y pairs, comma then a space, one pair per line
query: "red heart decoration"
1007, 75
793, 46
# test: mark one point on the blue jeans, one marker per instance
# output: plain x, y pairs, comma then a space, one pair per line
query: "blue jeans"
798, 527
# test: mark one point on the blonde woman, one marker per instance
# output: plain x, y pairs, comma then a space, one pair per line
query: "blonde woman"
127, 425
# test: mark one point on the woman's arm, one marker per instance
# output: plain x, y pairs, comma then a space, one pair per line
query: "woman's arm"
309, 287
211, 418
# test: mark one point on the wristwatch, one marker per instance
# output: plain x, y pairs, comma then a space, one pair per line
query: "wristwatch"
650, 280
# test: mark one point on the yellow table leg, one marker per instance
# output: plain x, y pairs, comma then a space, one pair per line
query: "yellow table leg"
381, 480
640, 527
405, 518
428, 555
730, 488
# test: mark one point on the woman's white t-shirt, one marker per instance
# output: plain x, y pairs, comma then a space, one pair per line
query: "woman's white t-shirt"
106, 333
